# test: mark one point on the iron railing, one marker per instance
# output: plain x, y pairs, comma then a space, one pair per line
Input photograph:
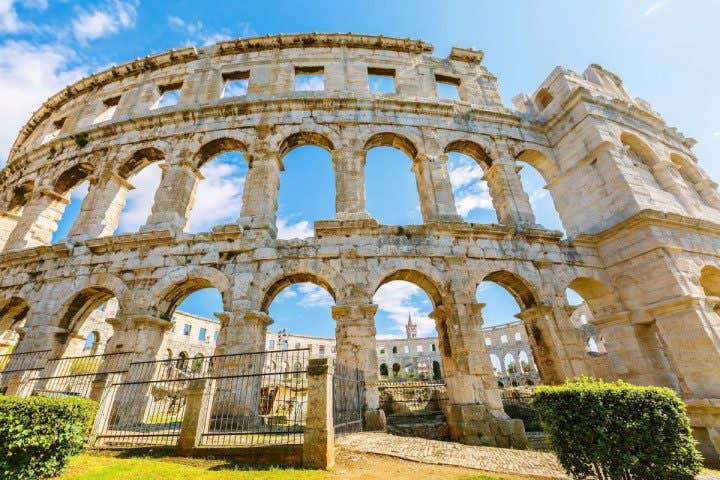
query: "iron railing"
244, 399
348, 398
76, 376
27, 363
412, 397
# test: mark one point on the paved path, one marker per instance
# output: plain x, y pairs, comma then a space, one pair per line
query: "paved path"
524, 463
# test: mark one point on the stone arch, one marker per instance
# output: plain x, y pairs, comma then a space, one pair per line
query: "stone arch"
687, 169
75, 310
641, 149
288, 279
216, 147
72, 177
420, 279
302, 138
521, 290
600, 298
138, 160
710, 280
472, 149
540, 162
181, 282
395, 140
13, 312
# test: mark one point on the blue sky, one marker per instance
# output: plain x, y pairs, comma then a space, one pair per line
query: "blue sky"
665, 51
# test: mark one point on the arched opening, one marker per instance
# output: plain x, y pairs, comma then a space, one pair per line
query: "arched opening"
13, 315
384, 370
403, 317
85, 318
143, 171
307, 184
510, 366
467, 163
218, 199
505, 296
541, 200
181, 363
690, 175
194, 327
72, 185
710, 281
396, 370
643, 159
391, 186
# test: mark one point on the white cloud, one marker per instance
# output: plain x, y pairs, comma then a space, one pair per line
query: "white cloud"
654, 7
9, 21
309, 83
29, 74
218, 198
399, 299
716, 134
103, 21
313, 296
140, 199
287, 230
198, 34
537, 195
470, 190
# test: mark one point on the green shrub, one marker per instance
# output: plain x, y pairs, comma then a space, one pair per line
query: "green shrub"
38, 435
617, 430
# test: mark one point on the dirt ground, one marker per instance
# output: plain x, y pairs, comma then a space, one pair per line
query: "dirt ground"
365, 466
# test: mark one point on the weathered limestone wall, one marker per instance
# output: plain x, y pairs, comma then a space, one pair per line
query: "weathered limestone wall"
641, 216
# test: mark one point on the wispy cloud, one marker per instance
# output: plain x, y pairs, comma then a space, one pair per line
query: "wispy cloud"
199, 35
306, 295
29, 74
218, 198
288, 229
399, 299
654, 7
470, 190
103, 20
716, 134
140, 200
309, 83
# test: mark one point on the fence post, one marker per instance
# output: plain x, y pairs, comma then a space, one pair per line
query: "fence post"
22, 383
198, 402
319, 437
105, 406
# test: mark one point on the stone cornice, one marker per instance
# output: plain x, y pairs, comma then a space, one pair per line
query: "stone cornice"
129, 241
322, 40
647, 218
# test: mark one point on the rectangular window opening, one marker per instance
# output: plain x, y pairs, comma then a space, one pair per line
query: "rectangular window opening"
186, 329
109, 107
235, 84
447, 87
169, 95
57, 126
309, 79
201, 335
381, 80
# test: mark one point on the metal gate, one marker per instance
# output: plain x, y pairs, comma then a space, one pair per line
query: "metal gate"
348, 399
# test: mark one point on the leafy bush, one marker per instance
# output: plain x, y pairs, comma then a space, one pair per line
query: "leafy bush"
617, 431
38, 435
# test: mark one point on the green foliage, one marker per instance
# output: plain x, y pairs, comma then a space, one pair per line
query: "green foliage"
617, 431
38, 435
81, 139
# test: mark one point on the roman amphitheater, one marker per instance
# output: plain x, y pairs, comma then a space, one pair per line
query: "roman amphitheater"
642, 218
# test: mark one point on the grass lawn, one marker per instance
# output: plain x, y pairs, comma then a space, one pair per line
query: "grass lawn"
112, 467
118, 465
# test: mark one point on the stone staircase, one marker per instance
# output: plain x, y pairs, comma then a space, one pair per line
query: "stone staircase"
430, 425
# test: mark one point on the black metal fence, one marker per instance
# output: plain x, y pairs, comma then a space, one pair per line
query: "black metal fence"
27, 363
246, 399
348, 398
412, 397
76, 376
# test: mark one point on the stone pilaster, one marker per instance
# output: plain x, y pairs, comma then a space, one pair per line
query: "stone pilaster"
319, 434
510, 200
708, 191
437, 202
174, 198
38, 221
8, 222
355, 344
685, 325
260, 196
100, 211
349, 185
556, 345
475, 412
